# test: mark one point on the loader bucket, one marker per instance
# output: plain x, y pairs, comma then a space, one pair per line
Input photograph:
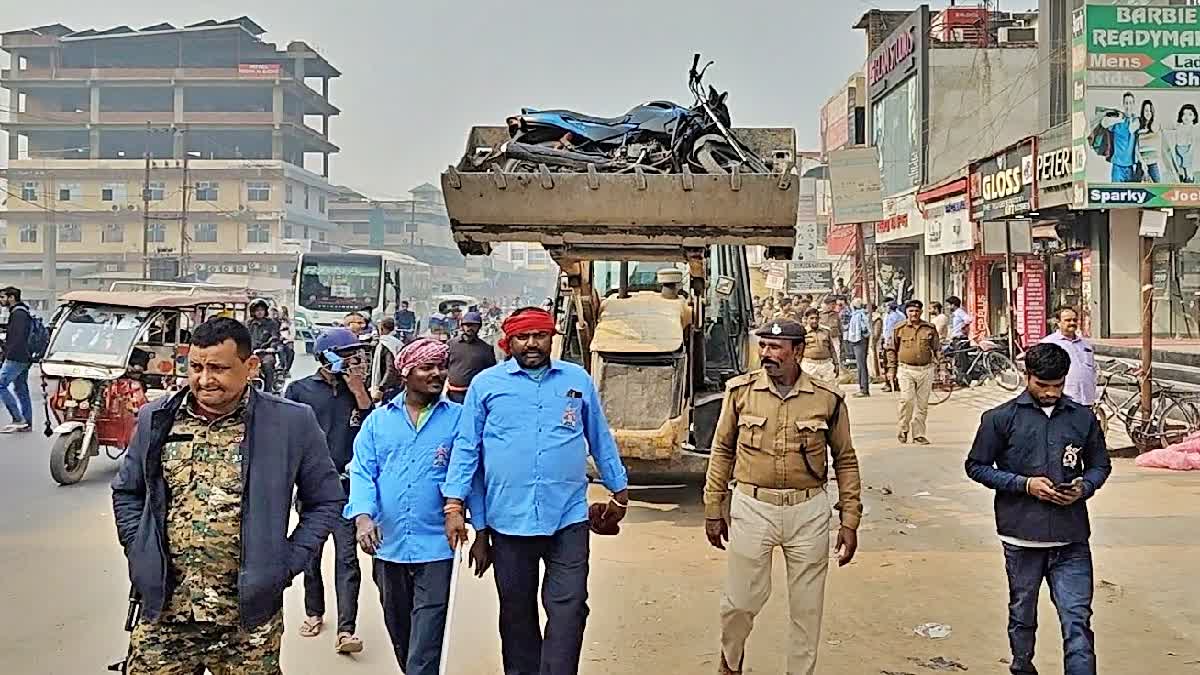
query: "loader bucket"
604, 210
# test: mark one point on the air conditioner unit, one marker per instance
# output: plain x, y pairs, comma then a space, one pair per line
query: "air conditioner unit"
1011, 34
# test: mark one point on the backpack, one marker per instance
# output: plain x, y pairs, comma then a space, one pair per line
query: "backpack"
38, 337
1101, 140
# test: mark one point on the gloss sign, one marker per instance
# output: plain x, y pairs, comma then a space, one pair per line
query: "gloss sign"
1005, 184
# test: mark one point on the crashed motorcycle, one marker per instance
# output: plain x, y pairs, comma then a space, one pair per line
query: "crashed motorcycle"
658, 137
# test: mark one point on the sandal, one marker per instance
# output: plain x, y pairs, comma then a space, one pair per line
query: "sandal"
312, 626
348, 643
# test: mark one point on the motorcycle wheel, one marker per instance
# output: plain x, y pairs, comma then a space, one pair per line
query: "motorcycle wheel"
68, 458
715, 155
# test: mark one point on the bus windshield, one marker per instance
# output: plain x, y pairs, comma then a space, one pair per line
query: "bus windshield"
340, 285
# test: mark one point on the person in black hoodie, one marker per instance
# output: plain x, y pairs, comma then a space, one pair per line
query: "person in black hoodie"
15, 371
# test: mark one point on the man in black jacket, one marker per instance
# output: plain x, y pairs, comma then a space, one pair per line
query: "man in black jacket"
202, 504
15, 371
1044, 455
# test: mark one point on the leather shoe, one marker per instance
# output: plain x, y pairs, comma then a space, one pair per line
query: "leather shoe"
921, 440
902, 437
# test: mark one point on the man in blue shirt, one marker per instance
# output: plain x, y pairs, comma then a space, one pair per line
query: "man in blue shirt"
400, 460
1044, 455
858, 336
1123, 126
337, 393
530, 423
894, 317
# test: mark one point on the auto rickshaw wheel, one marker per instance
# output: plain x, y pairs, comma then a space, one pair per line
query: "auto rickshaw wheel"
68, 458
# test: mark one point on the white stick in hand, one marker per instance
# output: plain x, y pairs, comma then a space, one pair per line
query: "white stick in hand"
458, 560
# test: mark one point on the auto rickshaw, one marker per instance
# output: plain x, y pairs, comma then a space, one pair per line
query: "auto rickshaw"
110, 352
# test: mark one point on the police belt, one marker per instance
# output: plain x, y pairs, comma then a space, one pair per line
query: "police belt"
819, 361
779, 496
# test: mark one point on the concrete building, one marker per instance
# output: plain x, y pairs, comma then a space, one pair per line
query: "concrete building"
211, 100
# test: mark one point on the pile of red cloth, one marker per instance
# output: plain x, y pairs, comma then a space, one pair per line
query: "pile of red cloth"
1181, 456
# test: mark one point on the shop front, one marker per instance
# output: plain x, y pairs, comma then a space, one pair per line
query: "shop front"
949, 238
899, 252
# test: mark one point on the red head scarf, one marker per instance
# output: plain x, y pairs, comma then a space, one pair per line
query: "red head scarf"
528, 321
424, 351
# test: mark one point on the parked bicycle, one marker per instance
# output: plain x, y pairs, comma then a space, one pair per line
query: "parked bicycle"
985, 362
1174, 412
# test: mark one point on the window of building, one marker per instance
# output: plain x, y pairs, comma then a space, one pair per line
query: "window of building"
156, 233
68, 192
113, 192
112, 233
158, 190
517, 254
361, 228
207, 191
306, 206
321, 235
29, 234
70, 232
258, 191
538, 255
258, 233
289, 231
288, 193
392, 228
321, 203
410, 227
204, 233
29, 191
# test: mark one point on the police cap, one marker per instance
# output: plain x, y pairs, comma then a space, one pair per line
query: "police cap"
782, 329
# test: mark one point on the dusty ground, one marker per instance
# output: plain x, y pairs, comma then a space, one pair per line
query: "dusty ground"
655, 588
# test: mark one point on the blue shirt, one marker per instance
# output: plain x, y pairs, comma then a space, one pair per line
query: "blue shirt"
1081, 379
532, 438
894, 318
1123, 142
960, 321
395, 478
860, 326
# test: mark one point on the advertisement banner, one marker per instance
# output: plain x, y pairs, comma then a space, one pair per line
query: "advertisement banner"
1004, 185
843, 239
1136, 121
948, 226
1031, 301
809, 277
258, 69
854, 181
901, 219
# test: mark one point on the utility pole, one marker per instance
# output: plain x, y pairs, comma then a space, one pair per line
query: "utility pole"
50, 243
1147, 283
184, 239
146, 209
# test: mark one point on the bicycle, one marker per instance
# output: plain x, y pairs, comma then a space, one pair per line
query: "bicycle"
1174, 412
987, 362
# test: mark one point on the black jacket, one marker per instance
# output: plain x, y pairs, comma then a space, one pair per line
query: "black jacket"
283, 449
16, 339
1017, 441
263, 332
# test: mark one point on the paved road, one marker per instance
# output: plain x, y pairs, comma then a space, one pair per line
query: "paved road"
928, 554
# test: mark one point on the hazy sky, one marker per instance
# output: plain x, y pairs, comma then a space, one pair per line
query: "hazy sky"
417, 76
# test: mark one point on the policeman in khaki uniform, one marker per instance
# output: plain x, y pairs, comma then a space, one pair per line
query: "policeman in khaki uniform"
819, 353
776, 430
917, 345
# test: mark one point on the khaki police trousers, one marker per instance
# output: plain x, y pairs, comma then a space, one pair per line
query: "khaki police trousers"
756, 529
915, 384
823, 369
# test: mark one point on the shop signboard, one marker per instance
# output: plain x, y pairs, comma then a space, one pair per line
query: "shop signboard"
258, 70
809, 277
1055, 174
901, 219
897, 83
977, 299
948, 226
1136, 106
843, 239
1004, 185
1031, 301
854, 181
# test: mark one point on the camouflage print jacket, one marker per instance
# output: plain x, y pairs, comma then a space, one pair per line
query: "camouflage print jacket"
283, 450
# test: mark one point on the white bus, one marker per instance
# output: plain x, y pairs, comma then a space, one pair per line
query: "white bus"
328, 285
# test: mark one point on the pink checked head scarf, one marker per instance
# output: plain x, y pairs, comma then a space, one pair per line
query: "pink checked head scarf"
424, 351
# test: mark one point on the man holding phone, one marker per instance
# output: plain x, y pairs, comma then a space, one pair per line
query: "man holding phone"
338, 395
1044, 455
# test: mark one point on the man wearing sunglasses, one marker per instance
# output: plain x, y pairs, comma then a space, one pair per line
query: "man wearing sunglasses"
337, 393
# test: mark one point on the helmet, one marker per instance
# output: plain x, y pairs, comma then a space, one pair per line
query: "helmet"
334, 339
473, 317
257, 302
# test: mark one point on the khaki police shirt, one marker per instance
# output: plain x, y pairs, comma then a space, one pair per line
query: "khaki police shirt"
818, 345
917, 344
763, 440
831, 320
786, 315
202, 465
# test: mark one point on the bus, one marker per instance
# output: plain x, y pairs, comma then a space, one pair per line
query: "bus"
328, 285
